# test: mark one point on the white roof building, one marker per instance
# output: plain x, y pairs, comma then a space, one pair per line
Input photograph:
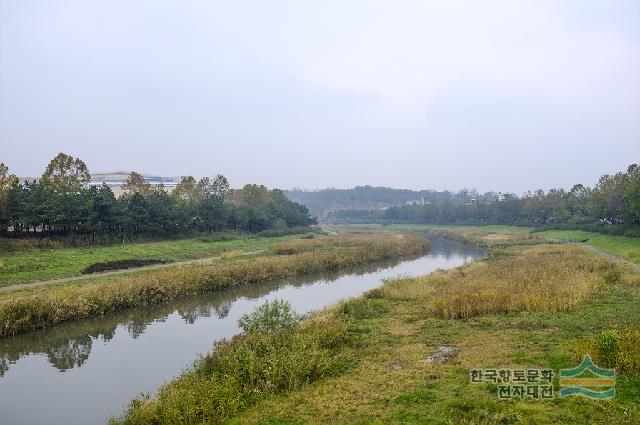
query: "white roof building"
115, 180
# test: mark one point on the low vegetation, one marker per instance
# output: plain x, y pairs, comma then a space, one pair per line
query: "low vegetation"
120, 264
377, 365
617, 348
493, 237
351, 240
23, 313
243, 371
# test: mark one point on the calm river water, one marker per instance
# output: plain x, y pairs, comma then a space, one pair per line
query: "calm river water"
85, 372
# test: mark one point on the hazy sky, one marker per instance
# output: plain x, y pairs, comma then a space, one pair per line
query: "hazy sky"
495, 95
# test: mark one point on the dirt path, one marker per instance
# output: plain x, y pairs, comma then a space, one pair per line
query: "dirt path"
116, 272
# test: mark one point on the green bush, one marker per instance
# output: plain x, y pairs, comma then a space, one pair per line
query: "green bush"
617, 348
240, 372
608, 347
270, 316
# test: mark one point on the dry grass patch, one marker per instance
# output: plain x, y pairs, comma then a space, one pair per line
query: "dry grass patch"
354, 240
357, 395
490, 236
232, 253
545, 278
629, 278
490, 348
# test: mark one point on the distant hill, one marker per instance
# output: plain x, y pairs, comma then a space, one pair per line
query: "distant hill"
321, 202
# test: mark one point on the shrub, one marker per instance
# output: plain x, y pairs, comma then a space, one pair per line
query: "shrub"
241, 371
608, 346
270, 316
617, 348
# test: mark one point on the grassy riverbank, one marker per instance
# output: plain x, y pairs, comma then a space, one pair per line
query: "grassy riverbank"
21, 313
402, 353
43, 264
620, 246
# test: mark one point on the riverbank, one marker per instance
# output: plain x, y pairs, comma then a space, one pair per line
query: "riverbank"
402, 353
31, 265
623, 247
51, 305
136, 269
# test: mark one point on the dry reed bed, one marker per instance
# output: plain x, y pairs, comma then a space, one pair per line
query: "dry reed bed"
25, 313
489, 238
544, 278
344, 240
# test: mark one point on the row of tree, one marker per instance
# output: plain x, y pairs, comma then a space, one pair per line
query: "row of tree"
321, 202
62, 202
613, 203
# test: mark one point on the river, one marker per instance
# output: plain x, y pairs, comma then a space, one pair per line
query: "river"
86, 371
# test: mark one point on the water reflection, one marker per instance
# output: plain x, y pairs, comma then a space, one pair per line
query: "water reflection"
69, 345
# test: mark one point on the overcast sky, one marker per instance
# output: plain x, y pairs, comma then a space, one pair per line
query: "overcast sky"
494, 95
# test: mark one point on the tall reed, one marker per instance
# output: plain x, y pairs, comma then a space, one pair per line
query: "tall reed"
543, 278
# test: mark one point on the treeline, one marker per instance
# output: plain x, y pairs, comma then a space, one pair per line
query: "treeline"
62, 203
612, 206
322, 202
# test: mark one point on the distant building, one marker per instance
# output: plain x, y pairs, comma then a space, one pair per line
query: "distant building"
117, 179
420, 201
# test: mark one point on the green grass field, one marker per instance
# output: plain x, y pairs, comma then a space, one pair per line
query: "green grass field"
37, 265
620, 246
